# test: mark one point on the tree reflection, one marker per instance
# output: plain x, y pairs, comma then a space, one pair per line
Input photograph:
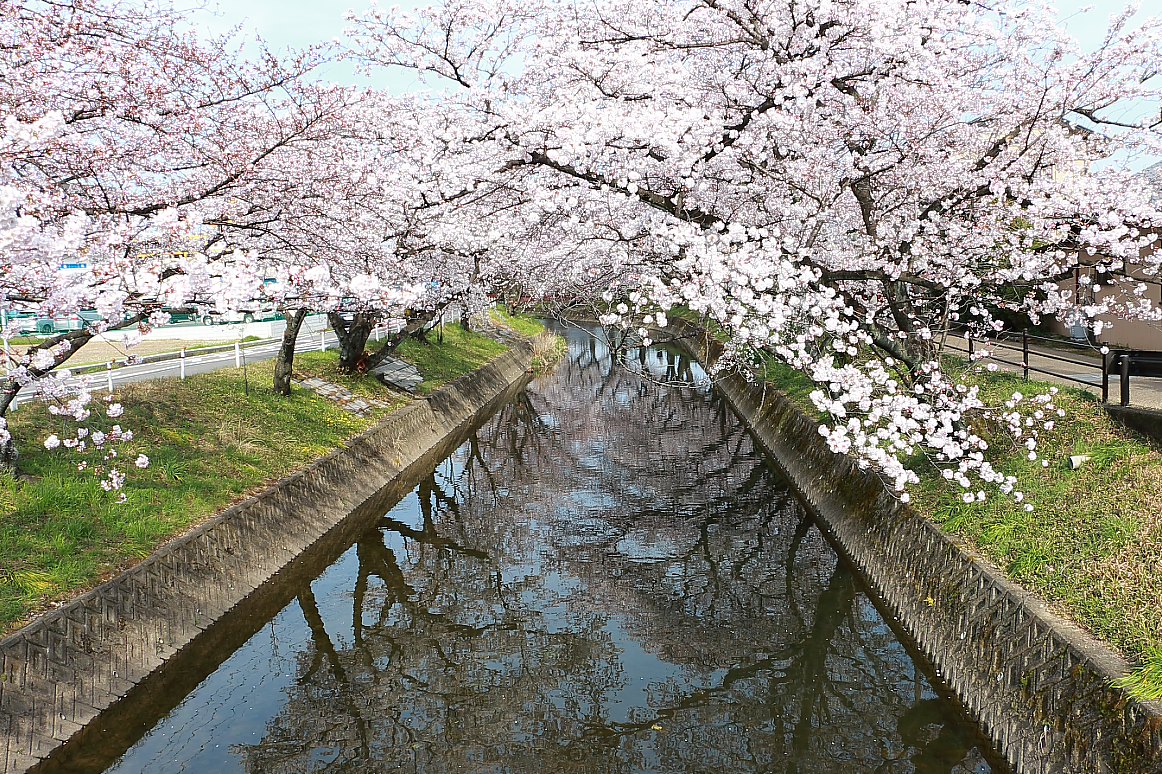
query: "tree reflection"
607, 578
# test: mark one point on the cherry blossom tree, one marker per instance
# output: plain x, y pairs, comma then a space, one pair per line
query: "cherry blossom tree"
380, 222
125, 142
835, 182
178, 174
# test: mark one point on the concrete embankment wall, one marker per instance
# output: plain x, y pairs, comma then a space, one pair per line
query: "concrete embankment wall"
1145, 421
61, 671
1038, 685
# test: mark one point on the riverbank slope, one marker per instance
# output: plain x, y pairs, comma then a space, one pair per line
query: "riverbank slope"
213, 439
1041, 688
68, 666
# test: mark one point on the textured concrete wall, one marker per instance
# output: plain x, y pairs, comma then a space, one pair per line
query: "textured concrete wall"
1038, 685
59, 672
1146, 421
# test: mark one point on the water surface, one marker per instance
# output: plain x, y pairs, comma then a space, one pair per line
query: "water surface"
606, 577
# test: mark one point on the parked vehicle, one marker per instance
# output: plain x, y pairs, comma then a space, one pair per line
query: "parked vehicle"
208, 316
24, 321
189, 314
43, 325
246, 314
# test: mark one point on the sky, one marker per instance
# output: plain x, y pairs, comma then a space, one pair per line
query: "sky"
299, 23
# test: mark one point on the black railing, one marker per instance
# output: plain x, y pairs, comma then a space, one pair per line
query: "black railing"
1024, 363
1129, 362
1125, 363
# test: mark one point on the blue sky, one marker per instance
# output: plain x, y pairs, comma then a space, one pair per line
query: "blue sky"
298, 24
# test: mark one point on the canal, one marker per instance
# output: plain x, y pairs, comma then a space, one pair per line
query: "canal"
605, 577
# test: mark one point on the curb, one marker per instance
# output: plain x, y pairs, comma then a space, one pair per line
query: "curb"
1144, 421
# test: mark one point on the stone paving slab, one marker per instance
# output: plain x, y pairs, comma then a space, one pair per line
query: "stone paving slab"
398, 373
501, 333
346, 399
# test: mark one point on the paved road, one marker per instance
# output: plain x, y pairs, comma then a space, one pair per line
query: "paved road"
1144, 392
196, 364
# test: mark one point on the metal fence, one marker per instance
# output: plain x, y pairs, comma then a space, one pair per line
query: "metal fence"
1122, 363
163, 364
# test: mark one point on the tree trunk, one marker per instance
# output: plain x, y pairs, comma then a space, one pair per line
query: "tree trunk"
353, 337
8, 452
9, 456
284, 365
8, 390
415, 327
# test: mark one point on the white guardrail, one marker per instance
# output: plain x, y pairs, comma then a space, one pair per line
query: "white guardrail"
177, 363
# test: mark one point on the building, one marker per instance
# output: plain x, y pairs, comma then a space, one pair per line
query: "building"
1116, 331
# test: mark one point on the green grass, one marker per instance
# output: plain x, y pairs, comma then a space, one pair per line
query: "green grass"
461, 352
1092, 546
210, 444
1145, 682
525, 325
795, 384
325, 365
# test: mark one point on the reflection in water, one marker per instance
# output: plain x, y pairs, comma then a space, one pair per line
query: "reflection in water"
605, 578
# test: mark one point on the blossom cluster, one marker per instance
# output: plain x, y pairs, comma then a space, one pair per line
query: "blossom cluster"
96, 449
820, 182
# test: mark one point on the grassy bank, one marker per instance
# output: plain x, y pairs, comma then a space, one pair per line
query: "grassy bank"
212, 440
460, 352
523, 324
1092, 546
440, 357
